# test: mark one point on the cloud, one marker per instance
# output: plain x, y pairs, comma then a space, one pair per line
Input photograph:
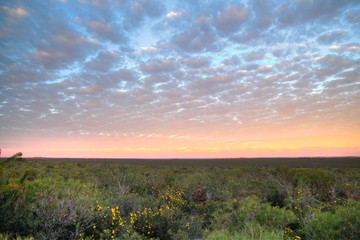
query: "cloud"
211, 85
17, 75
15, 12
172, 15
246, 37
199, 37
331, 36
125, 75
105, 30
104, 62
158, 66
230, 19
263, 13
140, 10
335, 62
149, 50
346, 47
62, 49
232, 61
196, 62
255, 56
353, 16
299, 12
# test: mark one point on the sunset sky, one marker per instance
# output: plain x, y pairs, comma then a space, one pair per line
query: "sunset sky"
174, 79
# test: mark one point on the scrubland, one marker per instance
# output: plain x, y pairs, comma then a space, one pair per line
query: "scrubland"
43, 199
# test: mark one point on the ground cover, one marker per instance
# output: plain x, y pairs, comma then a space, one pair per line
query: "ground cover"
175, 199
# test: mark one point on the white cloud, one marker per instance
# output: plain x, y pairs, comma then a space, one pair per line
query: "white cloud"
174, 14
18, 12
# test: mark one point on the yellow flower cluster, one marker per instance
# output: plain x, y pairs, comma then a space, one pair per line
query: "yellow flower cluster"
149, 221
291, 234
142, 221
112, 225
98, 208
116, 218
175, 198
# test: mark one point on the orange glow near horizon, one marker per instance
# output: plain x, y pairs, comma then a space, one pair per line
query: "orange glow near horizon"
190, 147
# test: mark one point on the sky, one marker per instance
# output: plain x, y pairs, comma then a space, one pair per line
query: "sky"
180, 79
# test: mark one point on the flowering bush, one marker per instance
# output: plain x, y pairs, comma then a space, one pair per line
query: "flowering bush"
109, 224
163, 221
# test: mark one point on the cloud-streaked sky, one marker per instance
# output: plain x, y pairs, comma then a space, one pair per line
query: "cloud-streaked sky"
150, 78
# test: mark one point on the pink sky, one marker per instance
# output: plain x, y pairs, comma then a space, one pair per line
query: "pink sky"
199, 145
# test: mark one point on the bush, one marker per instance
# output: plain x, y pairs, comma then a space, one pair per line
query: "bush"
276, 198
14, 217
61, 209
9, 237
107, 223
320, 182
343, 223
236, 214
250, 231
166, 221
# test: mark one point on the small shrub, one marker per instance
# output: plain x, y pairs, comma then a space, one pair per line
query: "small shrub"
17, 237
250, 231
276, 198
108, 224
199, 196
61, 209
253, 210
343, 223
15, 218
320, 182
168, 221
236, 214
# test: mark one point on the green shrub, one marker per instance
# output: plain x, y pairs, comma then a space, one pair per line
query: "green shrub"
10, 237
166, 221
107, 223
343, 223
14, 217
276, 198
320, 182
303, 203
250, 231
61, 209
236, 214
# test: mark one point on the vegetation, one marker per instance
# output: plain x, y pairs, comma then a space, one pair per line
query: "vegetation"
42, 199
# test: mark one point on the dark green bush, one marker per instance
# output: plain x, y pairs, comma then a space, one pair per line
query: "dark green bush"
276, 198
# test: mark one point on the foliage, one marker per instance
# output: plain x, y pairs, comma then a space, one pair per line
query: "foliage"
11, 196
8, 237
108, 224
250, 231
247, 216
43, 199
343, 223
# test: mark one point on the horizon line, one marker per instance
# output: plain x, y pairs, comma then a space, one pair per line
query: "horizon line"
187, 158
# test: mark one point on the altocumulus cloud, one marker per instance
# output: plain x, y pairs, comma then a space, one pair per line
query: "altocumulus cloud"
151, 68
